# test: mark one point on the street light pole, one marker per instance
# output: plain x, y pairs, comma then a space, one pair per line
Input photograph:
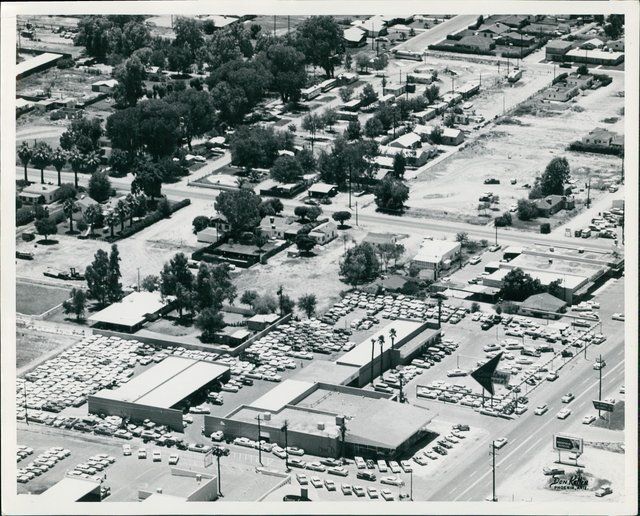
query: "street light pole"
493, 470
285, 427
259, 445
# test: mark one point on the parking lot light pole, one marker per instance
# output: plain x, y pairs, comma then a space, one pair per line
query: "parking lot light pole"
285, 429
493, 470
373, 345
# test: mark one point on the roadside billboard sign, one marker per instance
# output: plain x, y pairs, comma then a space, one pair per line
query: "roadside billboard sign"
567, 443
603, 405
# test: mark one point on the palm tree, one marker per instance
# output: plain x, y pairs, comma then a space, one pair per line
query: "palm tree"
392, 334
381, 342
91, 162
25, 153
41, 158
111, 220
130, 201
122, 213
59, 160
91, 215
68, 207
76, 158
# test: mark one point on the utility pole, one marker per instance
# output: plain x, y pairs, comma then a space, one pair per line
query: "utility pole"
373, 345
349, 187
138, 279
589, 193
411, 485
600, 385
356, 213
381, 342
259, 445
493, 470
26, 410
496, 226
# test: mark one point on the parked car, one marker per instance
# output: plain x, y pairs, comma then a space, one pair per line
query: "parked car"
604, 491
173, 459
541, 409
392, 481
126, 449
365, 475
387, 495
499, 443
552, 471
567, 398
588, 419
142, 453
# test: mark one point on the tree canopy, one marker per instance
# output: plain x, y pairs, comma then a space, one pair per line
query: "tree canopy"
518, 285
241, 208
360, 264
320, 38
391, 194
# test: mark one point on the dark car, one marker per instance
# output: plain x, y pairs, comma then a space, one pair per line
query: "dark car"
492, 181
486, 325
295, 498
365, 475
330, 462
566, 353
370, 464
247, 381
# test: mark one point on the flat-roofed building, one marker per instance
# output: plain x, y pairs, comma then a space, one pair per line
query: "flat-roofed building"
321, 189
160, 391
38, 193
557, 47
436, 255
132, 312
596, 56
36, 64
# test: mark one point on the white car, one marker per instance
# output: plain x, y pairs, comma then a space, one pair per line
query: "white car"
618, 317
474, 260
567, 398
563, 414
587, 420
157, 456
387, 495
142, 453
173, 459
392, 481
126, 449
394, 467
499, 443
540, 410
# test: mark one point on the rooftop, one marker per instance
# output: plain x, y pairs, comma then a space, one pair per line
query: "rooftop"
544, 301
39, 60
69, 489
166, 383
132, 309
361, 355
321, 187
354, 34
432, 251
559, 44
545, 277
326, 372
596, 53
407, 140
39, 188
282, 394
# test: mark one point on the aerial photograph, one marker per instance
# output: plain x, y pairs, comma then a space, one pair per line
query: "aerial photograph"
328, 258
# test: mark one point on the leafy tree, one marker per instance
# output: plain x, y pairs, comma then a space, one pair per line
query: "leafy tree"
271, 206
582, 70
114, 287
518, 285
432, 93
341, 217
199, 223
555, 288
93, 34
24, 153
122, 213
135, 36
307, 304
329, 118
176, 279
45, 227
111, 221
130, 75
348, 60
248, 297
346, 92
188, 33
147, 180
307, 160
449, 120
360, 264
164, 208
119, 161
265, 304
312, 123
59, 160
76, 303
159, 127
84, 134
286, 304
436, 135
97, 275
305, 243
210, 321
260, 239
527, 210
254, 147
373, 127
555, 176
123, 129
504, 220
99, 186
363, 61
241, 208
380, 62
320, 38
354, 130
41, 157
307, 213
150, 283
463, 238
399, 165
197, 111
391, 194
286, 65
368, 95
286, 169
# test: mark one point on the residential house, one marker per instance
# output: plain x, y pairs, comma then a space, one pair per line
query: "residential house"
394, 89
380, 238
557, 47
583, 82
468, 90
476, 44
550, 205
617, 45
407, 141
424, 116
516, 39
208, 236
451, 136
220, 222
561, 93
260, 321
374, 26
277, 227
515, 21
543, 305
435, 256
592, 44
603, 138
38, 193
541, 29
493, 31
104, 86
424, 131
84, 202
325, 232
321, 189
354, 37
23, 106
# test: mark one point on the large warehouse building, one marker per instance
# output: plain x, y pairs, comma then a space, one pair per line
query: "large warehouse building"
328, 420
159, 392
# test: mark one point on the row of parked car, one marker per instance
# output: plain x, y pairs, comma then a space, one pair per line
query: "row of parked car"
40, 464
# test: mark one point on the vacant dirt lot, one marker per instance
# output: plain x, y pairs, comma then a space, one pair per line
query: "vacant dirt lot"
36, 299
519, 150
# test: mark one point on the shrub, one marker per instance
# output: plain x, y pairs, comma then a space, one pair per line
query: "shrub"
474, 307
82, 225
509, 307
164, 208
67, 191
545, 228
24, 216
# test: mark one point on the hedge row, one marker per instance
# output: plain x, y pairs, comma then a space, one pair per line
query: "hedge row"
459, 49
560, 78
150, 219
581, 147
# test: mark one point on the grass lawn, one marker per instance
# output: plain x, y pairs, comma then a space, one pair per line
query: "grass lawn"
31, 344
34, 299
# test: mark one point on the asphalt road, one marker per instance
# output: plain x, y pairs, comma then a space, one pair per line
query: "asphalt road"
420, 42
471, 479
398, 224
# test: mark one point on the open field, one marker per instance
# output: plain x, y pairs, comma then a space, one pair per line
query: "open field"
32, 345
520, 151
34, 299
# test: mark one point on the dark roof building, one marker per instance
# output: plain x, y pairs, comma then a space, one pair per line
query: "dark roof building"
540, 304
